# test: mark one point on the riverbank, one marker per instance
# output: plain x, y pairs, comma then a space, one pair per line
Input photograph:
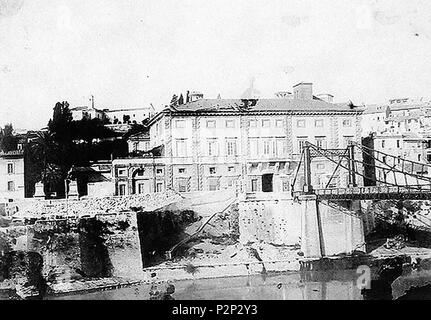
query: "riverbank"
182, 272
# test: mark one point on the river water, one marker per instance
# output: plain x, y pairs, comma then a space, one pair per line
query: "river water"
324, 285
337, 285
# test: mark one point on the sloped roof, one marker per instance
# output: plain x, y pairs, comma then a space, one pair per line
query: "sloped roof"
126, 109
140, 135
375, 108
242, 105
79, 108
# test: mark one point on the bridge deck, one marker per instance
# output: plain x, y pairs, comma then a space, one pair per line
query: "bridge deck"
422, 192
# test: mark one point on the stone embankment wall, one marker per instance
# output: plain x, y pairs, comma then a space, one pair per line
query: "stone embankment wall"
83, 246
272, 221
104, 246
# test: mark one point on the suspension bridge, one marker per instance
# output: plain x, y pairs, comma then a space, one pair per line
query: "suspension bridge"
384, 176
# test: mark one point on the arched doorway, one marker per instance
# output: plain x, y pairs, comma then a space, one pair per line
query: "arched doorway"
140, 184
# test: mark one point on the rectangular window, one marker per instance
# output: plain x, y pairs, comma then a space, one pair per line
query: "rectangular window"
266, 146
230, 169
213, 147
10, 168
182, 185
301, 143
122, 172
266, 123
280, 147
253, 185
231, 182
211, 124
121, 189
10, 186
398, 143
141, 188
231, 147
279, 123
347, 123
300, 123
159, 171
212, 170
230, 124
419, 157
180, 123
383, 143
252, 123
181, 147
213, 184
254, 147
318, 123
182, 170
159, 187
321, 166
321, 142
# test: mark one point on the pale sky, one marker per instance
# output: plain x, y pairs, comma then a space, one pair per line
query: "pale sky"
130, 53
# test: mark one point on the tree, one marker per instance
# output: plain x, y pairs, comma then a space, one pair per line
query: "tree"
181, 99
52, 176
126, 118
44, 148
60, 124
174, 101
8, 142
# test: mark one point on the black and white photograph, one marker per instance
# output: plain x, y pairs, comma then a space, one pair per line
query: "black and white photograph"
213, 155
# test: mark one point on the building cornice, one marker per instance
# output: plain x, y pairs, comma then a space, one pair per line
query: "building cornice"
266, 112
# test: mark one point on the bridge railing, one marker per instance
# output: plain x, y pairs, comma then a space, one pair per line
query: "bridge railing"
374, 190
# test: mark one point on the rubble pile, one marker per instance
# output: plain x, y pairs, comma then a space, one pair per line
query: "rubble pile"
397, 243
94, 206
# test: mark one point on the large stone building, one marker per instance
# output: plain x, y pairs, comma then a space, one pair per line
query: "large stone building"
254, 144
11, 176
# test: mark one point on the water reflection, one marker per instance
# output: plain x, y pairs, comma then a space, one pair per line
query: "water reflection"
287, 286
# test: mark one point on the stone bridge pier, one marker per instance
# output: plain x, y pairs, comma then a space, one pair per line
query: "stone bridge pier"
328, 230
320, 228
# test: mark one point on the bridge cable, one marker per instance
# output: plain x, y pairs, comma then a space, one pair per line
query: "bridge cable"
364, 176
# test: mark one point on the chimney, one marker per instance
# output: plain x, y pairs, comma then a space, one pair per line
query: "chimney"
303, 91
194, 96
326, 97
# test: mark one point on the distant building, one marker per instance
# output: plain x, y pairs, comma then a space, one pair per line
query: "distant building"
85, 112
11, 176
128, 116
117, 116
402, 128
373, 119
251, 144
